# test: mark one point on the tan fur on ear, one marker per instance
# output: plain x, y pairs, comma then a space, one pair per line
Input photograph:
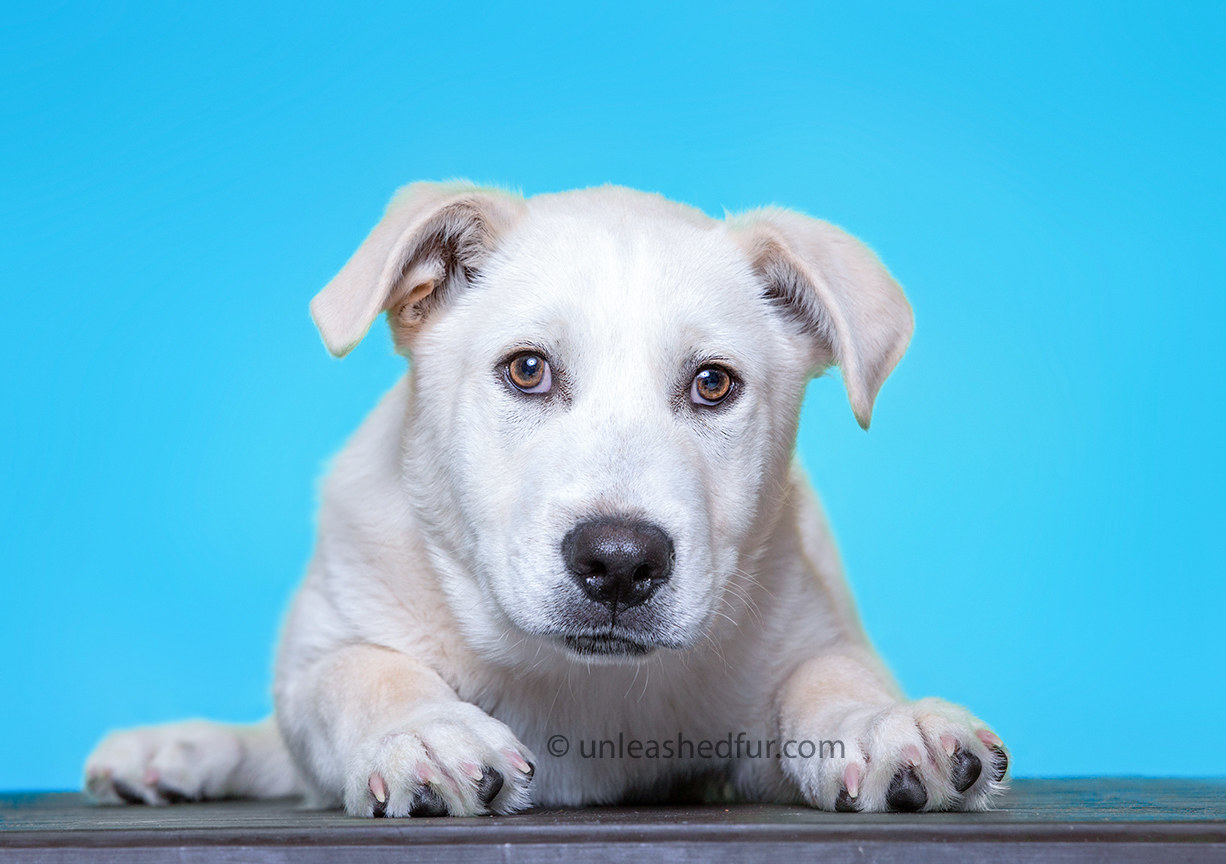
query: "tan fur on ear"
838, 289
430, 233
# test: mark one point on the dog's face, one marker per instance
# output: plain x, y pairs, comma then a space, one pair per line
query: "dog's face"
617, 391
606, 391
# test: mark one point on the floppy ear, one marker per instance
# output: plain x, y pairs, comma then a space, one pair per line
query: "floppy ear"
432, 235
837, 289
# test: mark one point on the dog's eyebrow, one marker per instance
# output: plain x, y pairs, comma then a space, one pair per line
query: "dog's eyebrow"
696, 359
516, 346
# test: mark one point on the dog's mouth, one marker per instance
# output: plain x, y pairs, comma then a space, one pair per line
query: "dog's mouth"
606, 645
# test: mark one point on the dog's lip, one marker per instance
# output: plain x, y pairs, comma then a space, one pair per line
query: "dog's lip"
606, 645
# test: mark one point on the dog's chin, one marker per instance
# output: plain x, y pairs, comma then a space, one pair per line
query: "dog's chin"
607, 647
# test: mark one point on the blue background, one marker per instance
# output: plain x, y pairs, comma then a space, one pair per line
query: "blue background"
1033, 526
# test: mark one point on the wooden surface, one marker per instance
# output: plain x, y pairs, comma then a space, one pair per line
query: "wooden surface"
1117, 819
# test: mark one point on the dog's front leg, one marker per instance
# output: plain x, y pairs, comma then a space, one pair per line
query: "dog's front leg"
851, 743
386, 735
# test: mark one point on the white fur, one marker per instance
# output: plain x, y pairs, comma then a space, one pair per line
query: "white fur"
423, 646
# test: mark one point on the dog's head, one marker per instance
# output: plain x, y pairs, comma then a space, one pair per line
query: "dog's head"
605, 393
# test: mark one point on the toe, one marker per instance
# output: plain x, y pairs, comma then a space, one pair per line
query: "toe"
489, 785
847, 800
130, 794
965, 769
426, 802
1000, 763
906, 792
170, 794
845, 803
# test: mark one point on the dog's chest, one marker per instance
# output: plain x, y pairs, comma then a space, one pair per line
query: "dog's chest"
607, 733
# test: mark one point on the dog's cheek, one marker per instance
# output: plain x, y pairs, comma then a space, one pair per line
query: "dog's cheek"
740, 479
508, 535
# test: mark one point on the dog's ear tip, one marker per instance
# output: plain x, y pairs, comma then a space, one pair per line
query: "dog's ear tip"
339, 351
336, 348
863, 412
337, 345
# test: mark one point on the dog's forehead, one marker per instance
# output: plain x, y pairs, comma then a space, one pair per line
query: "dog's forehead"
612, 262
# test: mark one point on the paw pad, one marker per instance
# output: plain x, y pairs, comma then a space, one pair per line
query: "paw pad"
965, 770
906, 792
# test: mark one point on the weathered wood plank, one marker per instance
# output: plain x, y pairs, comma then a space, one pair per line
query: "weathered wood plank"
1124, 819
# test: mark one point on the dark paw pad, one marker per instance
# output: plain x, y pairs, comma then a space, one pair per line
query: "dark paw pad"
965, 770
1000, 763
906, 792
845, 803
427, 803
127, 793
489, 785
171, 795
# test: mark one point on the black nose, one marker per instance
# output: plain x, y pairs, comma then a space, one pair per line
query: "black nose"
618, 562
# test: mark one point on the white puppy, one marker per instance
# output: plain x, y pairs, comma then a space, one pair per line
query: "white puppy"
569, 559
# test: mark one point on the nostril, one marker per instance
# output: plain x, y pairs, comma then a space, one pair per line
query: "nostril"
618, 562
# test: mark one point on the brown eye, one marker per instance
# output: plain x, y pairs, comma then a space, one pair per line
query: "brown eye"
711, 386
529, 372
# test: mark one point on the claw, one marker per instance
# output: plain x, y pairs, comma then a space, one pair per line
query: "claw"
489, 786
520, 762
851, 780
473, 770
846, 801
989, 738
378, 788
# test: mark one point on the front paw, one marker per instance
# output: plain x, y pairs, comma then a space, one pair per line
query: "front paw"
925, 755
165, 764
447, 760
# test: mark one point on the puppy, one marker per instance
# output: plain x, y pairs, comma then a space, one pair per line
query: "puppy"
570, 558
